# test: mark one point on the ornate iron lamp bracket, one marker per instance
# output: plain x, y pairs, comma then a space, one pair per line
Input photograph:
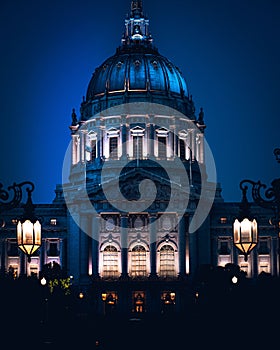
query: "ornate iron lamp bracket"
263, 196
12, 196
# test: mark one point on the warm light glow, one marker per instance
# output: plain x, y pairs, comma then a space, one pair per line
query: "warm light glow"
234, 279
43, 281
29, 236
245, 235
104, 295
81, 295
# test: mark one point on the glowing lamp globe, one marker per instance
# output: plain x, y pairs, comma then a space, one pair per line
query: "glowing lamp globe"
29, 237
29, 230
245, 235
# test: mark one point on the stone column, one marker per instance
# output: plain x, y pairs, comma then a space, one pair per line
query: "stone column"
176, 145
171, 142
182, 246
152, 139
153, 239
98, 143
62, 252
84, 248
234, 253
74, 149
124, 249
42, 253
255, 258
95, 229
124, 140
82, 146
22, 262
73, 255
193, 250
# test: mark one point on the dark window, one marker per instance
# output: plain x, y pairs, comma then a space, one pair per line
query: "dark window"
182, 149
113, 147
162, 147
224, 250
53, 251
263, 247
13, 249
137, 147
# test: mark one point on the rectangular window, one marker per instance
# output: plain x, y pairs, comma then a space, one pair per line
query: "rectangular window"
113, 147
53, 249
13, 248
223, 220
224, 248
264, 263
161, 147
53, 222
137, 147
182, 149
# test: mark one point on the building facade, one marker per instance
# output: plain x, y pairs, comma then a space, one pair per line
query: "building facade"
124, 224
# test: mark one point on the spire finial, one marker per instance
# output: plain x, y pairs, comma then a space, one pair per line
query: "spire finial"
137, 27
136, 8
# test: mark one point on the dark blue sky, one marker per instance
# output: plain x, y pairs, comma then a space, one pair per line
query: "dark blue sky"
227, 50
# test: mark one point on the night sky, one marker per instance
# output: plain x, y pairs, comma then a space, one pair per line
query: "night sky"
227, 50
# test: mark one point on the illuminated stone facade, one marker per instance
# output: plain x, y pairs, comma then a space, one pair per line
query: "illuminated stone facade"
136, 260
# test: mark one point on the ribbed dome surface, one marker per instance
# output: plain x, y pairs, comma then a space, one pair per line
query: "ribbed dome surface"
136, 70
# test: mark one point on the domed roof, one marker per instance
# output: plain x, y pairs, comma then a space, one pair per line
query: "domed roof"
136, 70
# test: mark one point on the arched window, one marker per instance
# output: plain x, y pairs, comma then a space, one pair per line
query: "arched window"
167, 261
110, 261
138, 261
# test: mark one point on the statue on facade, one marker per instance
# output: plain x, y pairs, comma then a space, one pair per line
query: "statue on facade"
74, 117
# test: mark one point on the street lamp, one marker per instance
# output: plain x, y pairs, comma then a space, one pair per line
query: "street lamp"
245, 228
268, 198
29, 229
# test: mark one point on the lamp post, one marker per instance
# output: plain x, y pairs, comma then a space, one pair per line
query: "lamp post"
29, 229
245, 227
44, 285
268, 198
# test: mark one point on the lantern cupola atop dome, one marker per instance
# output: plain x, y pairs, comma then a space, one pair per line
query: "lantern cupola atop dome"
136, 27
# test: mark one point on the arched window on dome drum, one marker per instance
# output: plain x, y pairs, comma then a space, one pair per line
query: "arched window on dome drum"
167, 261
138, 261
110, 262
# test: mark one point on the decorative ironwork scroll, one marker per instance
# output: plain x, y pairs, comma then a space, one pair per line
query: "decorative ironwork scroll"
263, 196
12, 196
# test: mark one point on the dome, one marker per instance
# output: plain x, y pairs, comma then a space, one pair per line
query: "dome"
136, 70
